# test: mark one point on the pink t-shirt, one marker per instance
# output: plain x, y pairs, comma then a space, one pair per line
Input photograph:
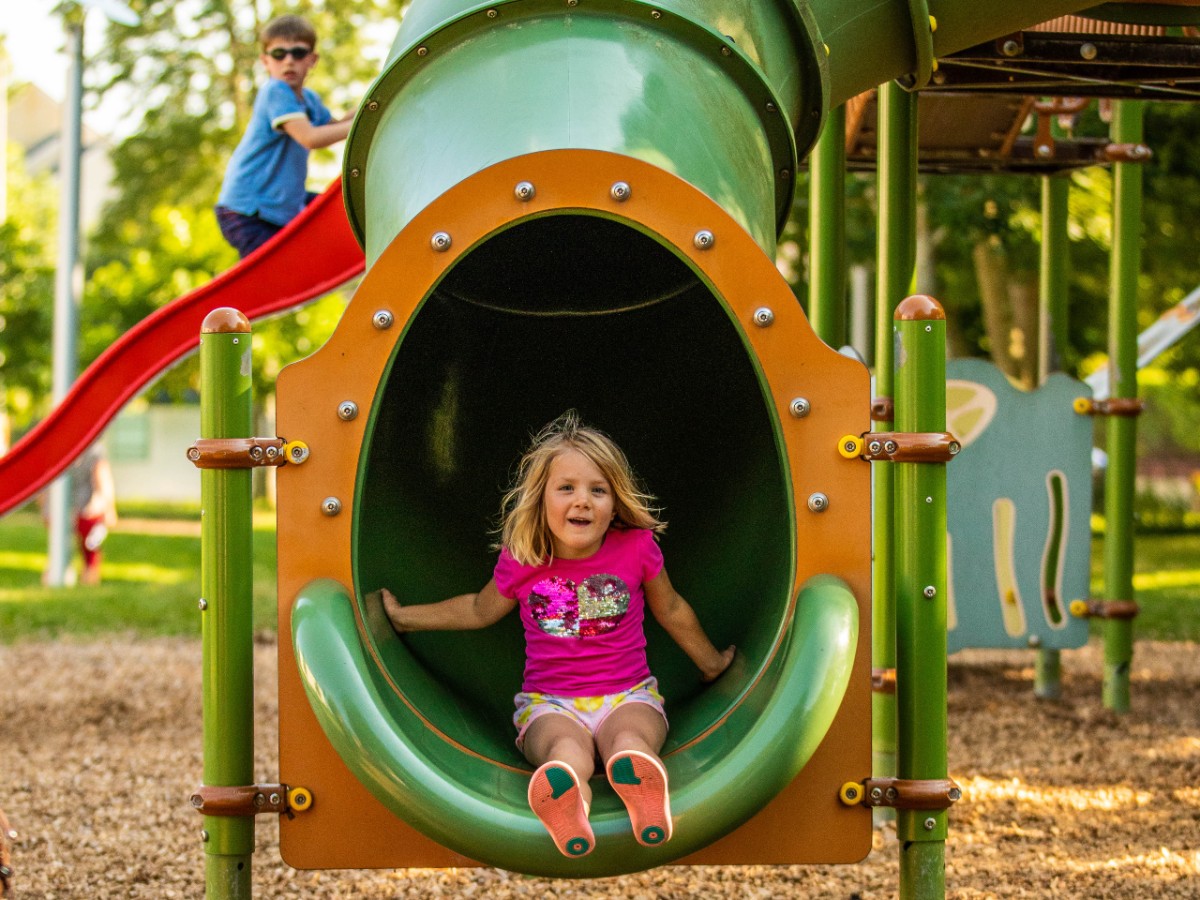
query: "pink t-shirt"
583, 617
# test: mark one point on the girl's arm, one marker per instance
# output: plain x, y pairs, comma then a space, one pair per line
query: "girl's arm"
679, 620
462, 613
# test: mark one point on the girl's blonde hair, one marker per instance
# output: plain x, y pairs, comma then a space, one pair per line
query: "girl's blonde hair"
523, 528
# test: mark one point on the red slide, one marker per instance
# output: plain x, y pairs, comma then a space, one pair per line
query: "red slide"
313, 255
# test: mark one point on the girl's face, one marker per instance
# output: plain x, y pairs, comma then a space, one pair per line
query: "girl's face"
578, 504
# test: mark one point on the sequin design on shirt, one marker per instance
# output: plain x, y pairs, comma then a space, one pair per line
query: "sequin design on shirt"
566, 609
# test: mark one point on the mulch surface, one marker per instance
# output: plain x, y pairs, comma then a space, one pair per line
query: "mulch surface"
101, 748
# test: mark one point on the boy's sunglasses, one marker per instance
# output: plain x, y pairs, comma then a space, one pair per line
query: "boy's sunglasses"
297, 53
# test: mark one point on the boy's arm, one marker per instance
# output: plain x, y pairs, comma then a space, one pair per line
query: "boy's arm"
678, 619
462, 613
313, 137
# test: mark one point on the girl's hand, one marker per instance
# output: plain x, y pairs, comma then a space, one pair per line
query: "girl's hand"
726, 659
391, 606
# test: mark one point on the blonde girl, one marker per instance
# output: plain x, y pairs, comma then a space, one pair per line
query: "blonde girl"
579, 559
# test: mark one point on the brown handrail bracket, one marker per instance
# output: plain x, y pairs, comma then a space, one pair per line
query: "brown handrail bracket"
915, 447
1110, 406
906, 793
237, 453
1105, 609
240, 801
883, 409
1127, 153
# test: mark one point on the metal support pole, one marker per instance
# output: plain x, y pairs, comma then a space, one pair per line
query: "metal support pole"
896, 256
921, 595
226, 584
827, 231
1122, 430
1052, 314
66, 300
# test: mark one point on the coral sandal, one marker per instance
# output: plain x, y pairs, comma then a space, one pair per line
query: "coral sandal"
555, 799
641, 782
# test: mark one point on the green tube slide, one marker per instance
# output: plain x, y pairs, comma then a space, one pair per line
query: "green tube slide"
476, 805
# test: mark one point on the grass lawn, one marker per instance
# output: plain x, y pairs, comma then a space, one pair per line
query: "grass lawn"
152, 582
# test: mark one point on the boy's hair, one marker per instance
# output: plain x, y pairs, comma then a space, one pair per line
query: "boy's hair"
523, 528
289, 28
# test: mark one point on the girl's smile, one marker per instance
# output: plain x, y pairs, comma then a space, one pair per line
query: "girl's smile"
578, 504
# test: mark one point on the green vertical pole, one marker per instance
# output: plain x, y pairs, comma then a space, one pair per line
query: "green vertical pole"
1122, 430
921, 595
827, 231
1052, 300
896, 260
227, 595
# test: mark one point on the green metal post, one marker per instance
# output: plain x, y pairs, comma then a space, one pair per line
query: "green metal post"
921, 594
827, 231
1052, 300
896, 255
227, 595
1122, 430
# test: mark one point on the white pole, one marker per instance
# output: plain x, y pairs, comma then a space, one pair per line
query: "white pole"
66, 299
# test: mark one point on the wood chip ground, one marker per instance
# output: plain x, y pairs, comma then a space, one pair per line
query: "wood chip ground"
100, 748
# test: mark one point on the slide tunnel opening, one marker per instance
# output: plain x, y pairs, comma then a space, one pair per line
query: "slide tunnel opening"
559, 312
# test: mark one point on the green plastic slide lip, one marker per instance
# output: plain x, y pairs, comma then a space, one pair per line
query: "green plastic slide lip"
478, 808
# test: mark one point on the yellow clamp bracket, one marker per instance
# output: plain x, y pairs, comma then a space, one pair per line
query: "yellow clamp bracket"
295, 452
851, 793
299, 799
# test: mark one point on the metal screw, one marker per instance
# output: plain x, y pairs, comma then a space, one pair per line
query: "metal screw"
930, 823
655, 14
954, 447
770, 107
259, 799
299, 454
572, 2
704, 239
1010, 48
725, 51
785, 174
800, 408
421, 51
928, 329
382, 319
354, 173
891, 793
955, 794
930, 591
235, 340
524, 191
876, 794
875, 446
1044, 151
274, 799
272, 452
818, 502
331, 506
1035, 641
890, 447
763, 316
193, 453
203, 604
1088, 51
204, 836
347, 410
256, 453
373, 105
620, 191
491, 14
928, 499
440, 242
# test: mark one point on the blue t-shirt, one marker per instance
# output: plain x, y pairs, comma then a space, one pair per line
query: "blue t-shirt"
267, 171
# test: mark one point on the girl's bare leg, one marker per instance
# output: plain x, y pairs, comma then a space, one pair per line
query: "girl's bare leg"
559, 792
629, 741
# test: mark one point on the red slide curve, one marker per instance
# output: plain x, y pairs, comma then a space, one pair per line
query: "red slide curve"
313, 255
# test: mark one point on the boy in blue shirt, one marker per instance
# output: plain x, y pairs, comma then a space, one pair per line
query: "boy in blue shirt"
264, 186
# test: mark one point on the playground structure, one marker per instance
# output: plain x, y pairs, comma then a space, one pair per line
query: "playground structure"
633, 236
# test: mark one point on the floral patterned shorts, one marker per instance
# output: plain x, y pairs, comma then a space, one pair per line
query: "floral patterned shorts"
590, 712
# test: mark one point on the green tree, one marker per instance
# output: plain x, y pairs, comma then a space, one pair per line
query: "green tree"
26, 291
